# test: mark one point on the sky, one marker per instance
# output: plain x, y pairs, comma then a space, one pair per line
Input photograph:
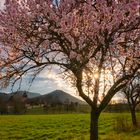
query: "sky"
47, 81
1, 3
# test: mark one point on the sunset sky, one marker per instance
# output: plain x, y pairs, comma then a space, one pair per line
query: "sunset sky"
45, 82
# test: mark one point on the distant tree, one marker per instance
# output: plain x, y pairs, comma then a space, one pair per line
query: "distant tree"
3, 106
94, 41
18, 103
132, 94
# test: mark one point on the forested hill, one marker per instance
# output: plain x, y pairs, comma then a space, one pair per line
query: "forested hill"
57, 96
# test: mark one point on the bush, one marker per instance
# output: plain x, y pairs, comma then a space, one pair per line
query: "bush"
122, 124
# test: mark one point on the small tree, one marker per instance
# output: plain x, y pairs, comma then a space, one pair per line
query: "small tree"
132, 94
17, 102
3, 106
95, 42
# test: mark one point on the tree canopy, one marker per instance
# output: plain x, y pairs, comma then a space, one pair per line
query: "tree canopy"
94, 36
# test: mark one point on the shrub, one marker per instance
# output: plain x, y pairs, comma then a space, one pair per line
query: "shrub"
122, 124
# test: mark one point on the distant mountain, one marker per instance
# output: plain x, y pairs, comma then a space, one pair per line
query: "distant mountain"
6, 96
32, 94
29, 94
57, 96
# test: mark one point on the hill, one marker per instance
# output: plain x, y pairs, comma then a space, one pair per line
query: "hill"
57, 96
5, 96
29, 94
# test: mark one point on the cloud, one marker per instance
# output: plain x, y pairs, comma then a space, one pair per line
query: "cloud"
2, 3
45, 82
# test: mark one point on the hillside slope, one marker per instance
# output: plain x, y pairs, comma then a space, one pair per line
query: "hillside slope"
57, 96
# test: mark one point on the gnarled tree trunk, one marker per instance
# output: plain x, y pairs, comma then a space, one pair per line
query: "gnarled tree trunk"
133, 115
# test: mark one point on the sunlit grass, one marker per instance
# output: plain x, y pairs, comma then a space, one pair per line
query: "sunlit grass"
61, 127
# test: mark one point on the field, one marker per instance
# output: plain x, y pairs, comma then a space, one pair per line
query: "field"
65, 127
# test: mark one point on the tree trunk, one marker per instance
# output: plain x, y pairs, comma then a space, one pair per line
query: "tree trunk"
94, 125
134, 119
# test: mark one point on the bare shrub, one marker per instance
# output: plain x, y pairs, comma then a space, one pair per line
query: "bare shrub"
122, 124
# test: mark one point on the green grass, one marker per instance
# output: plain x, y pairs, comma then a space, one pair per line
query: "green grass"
62, 127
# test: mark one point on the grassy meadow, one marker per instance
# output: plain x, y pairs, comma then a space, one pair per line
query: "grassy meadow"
66, 127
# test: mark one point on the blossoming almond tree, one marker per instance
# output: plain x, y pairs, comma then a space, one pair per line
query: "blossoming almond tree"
96, 42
